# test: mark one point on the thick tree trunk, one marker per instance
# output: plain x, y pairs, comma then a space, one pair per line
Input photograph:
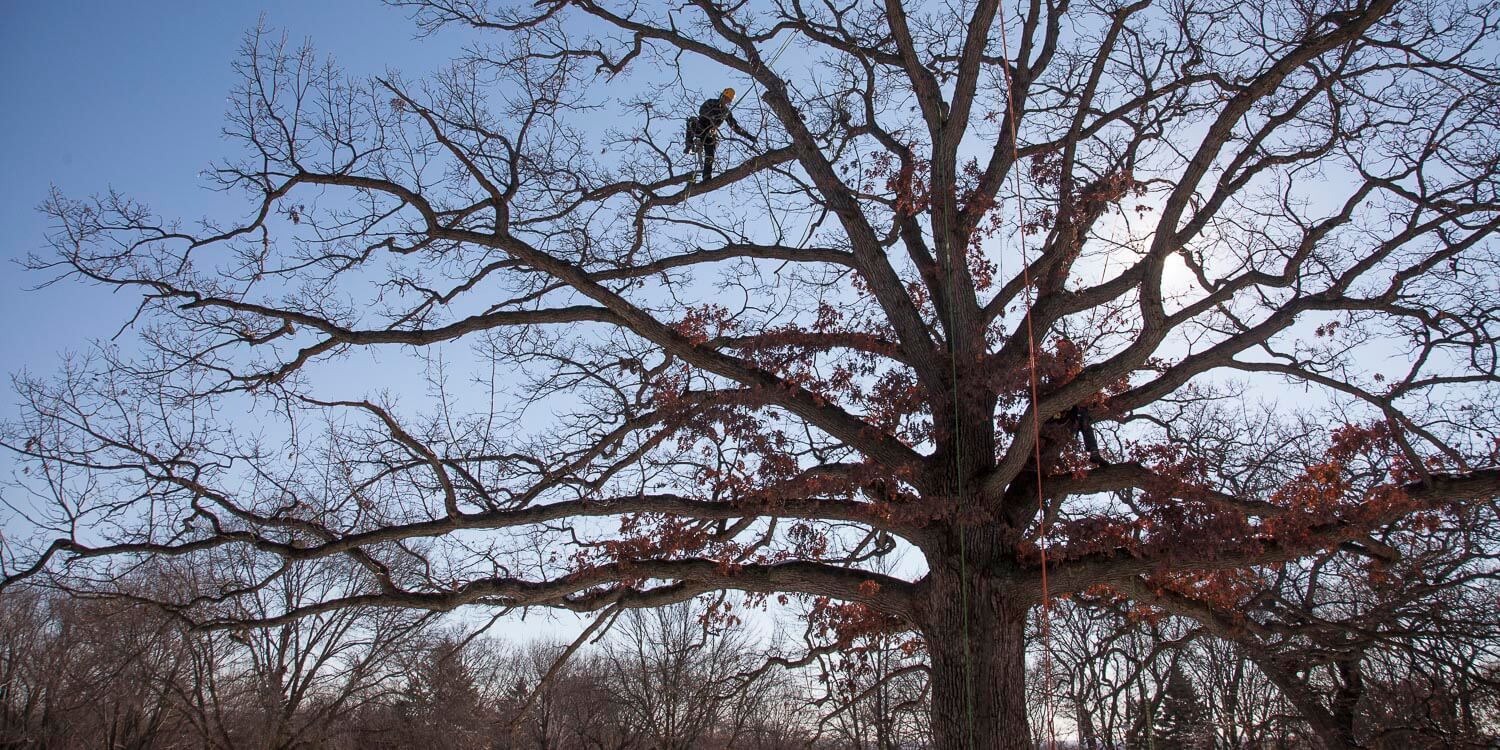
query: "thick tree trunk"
978, 666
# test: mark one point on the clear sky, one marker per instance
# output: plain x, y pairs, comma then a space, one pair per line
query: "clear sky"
131, 95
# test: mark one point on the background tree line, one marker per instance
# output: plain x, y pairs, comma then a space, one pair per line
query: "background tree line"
1404, 660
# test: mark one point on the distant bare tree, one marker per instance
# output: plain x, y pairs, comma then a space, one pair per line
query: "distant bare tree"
593, 714
289, 685
542, 682
875, 693
1249, 712
1106, 665
677, 677
78, 674
774, 714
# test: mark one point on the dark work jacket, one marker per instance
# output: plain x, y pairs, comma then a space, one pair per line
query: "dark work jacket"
715, 112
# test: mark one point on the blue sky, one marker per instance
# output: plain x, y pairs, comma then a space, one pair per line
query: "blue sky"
131, 96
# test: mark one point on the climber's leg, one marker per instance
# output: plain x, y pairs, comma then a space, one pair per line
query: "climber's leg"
710, 142
1084, 424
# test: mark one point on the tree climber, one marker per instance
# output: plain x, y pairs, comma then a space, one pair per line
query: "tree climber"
1083, 424
703, 130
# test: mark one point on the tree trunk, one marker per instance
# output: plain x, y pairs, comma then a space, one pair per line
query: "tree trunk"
978, 681
1331, 732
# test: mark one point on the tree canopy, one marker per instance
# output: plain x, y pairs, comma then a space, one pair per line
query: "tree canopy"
1250, 244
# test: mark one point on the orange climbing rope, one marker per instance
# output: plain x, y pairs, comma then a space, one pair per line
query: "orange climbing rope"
1049, 714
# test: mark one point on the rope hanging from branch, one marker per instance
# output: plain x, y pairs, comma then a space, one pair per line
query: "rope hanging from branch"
1049, 713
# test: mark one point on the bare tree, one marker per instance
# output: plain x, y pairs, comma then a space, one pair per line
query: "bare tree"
774, 716
593, 714
1106, 664
87, 673
874, 692
1248, 710
678, 678
290, 685
554, 702
968, 237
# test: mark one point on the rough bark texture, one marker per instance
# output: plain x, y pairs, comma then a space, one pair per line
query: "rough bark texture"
978, 646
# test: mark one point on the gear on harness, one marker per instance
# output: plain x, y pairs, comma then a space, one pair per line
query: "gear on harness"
703, 130
1083, 424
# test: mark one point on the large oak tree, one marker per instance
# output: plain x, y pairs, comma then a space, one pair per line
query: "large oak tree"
964, 231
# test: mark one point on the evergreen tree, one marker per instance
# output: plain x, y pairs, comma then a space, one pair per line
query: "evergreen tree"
1182, 721
441, 699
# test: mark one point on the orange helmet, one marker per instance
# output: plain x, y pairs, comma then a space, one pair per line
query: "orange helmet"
727, 95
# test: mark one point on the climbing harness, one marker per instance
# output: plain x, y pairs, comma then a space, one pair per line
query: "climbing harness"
700, 128
703, 129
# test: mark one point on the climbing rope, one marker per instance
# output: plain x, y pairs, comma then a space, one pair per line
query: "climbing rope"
1049, 712
755, 82
764, 185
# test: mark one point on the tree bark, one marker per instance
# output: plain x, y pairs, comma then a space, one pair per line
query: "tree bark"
975, 631
1333, 732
